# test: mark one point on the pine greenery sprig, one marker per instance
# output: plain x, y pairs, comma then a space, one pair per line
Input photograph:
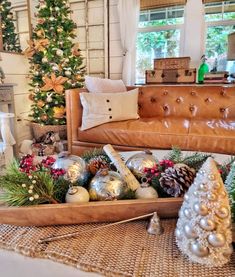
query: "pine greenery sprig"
194, 160
21, 189
96, 152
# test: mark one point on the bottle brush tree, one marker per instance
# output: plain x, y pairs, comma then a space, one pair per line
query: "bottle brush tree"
55, 60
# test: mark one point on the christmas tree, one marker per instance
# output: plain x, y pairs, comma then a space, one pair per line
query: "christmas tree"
203, 230
55, 62
10, 37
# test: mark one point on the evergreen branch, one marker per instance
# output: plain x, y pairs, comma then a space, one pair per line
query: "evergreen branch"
175, 155
195, 160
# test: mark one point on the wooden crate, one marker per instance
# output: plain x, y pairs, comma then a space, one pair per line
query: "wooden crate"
172, 63
171, 76
101, 211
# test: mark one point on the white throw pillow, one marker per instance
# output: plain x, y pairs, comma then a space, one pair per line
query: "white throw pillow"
98, 85
99, 108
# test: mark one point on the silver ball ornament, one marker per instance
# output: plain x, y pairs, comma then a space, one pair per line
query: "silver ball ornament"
189, 231
138, 162
186, 197
200, 208
199, 250
77, 194
178, 234
187, 213
107, 185
203, 187
207, 224
216, 239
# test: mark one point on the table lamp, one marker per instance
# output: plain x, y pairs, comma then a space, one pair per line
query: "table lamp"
231, 50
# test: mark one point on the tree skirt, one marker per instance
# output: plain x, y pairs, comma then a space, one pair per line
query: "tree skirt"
122, 250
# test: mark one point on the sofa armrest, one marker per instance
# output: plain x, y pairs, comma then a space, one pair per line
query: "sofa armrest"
73, 114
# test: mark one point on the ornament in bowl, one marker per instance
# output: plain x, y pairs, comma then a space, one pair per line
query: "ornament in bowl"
107, 185
138, 162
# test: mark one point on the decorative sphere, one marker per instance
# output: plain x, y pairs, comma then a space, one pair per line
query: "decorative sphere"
186, 197
207, 224
138, 162
68, 73
222, 212
199, 250
107, 185
187, 213
75, 167
216, 186
212, 196
203, 187
178, 234
216, 240
44, 60
55, 68
77, 194
227, 223
189, 231
146, 193
59, 52
200, 208
211, 177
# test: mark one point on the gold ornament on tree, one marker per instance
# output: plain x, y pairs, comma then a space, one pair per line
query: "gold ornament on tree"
40, 104
203, 230
54, 83
40, 33
76, 50
59, 112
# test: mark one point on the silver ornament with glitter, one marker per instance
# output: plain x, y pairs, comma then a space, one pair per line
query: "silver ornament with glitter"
138, 162
107, 185
76, 169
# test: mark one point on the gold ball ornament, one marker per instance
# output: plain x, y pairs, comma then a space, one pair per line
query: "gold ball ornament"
40, 104
59, 30
212, 196
77, 194
59, 112
78, 77
222, 212
199, 250
44, 117
216, 239
40, 33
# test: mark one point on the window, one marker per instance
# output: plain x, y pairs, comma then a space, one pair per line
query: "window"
220, 18
158, 37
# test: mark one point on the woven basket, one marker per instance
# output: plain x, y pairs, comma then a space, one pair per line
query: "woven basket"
40, 130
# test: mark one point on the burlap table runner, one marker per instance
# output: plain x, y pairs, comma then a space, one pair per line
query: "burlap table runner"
123, 250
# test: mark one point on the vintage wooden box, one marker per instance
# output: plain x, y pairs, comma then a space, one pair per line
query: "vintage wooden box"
172, 63
171, 76
100, 211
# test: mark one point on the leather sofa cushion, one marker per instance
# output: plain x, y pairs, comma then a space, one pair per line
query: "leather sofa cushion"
161, 132
142, 132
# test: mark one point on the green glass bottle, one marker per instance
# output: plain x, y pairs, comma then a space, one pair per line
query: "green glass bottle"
203, 69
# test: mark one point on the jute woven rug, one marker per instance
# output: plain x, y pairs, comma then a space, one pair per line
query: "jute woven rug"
122, 250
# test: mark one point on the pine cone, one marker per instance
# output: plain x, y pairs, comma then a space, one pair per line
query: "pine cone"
97, 163
176, 180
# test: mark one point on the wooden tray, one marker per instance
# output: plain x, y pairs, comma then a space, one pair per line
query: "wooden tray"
101, 211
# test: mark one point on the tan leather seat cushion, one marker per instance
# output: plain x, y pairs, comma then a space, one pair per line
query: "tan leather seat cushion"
160, 133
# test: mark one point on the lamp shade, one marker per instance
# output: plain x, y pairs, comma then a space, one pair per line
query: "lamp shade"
231, 47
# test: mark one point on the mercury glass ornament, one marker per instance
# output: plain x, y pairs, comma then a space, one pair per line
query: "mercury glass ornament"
77, 194
107, 185
75, 167
138, 162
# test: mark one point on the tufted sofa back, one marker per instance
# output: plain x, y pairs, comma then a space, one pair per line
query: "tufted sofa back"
207, 101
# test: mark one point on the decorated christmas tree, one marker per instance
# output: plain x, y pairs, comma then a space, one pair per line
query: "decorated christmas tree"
55, 62
203, 230
10, 37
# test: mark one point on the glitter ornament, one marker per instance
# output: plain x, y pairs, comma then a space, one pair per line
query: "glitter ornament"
205, 236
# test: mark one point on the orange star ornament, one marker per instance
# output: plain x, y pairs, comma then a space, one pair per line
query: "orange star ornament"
54, 83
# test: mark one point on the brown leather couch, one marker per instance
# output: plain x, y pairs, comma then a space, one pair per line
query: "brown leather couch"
192, 117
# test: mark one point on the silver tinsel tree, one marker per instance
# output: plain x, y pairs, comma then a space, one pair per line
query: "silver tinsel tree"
203, 230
